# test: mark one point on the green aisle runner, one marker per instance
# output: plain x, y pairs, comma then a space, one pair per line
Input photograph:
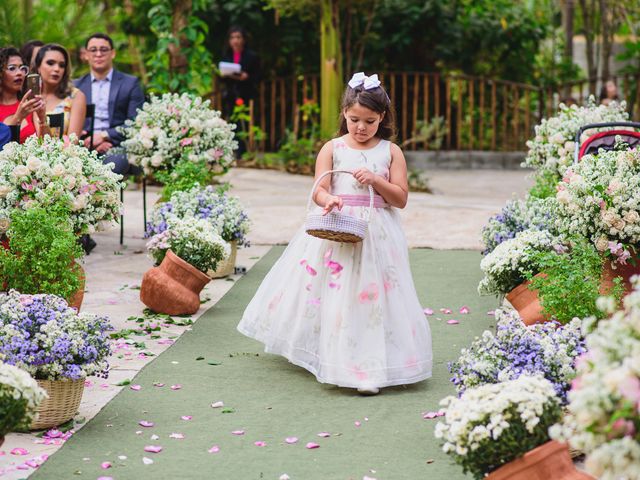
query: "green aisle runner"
272, 399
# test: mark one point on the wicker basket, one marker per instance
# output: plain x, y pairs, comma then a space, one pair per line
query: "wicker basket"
62, 404
226, 267
337, 226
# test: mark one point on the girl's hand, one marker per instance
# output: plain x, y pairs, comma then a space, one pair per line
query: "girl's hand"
29, 105
333, 201
365, 176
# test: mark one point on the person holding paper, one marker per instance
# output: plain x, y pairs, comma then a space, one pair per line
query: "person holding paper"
239, 82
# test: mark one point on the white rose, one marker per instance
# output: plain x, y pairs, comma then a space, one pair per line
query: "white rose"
146, 133
33, 164
630, 217
156, 160
557, 138
4, 190
563, 197
195, 124
20, 171
70, 181
146, 143
79, 202
609, 217
57, 170
602, 244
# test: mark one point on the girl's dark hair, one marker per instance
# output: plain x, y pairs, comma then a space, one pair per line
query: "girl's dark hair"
236, 29
64, 88
375, 99
26, 51
5, 54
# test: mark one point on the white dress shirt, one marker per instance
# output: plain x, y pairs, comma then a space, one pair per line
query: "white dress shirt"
100, 97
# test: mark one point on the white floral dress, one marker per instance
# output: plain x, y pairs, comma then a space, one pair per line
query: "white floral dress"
348, 313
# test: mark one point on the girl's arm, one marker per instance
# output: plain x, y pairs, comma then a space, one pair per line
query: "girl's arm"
396, 190
322, 195
78, 113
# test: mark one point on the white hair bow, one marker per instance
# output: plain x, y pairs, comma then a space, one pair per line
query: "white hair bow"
361, 79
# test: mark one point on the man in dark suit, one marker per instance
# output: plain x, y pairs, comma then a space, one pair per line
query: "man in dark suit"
5, 135
116, 95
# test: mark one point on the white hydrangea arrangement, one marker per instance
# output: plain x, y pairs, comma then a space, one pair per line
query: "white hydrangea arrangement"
193, 240
604, 401
175, 127
552, 149
20, 397
46, 172
599, 198
491, 425
508, 264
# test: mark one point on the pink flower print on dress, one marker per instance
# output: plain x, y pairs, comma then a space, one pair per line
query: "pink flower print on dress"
360, 375
335, 267
369, 294
275, 301
311, 271
411, 362
387, 286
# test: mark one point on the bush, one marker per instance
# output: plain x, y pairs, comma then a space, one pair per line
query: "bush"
20, 396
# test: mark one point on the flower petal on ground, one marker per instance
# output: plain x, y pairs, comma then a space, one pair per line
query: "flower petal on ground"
453, 322
238, 432
214, 449
260, 443
186, 417
179, 436
324, 434
105, 465
311, 445
153, 448
217, 405
19, 451
291, 440
147, 461
428, 311
144, 423
176, 387
136, 387
464, 310
357, 424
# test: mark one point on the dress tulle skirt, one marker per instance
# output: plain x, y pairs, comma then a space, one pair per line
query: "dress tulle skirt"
348, 313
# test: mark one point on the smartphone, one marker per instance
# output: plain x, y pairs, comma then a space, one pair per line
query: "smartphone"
33, 83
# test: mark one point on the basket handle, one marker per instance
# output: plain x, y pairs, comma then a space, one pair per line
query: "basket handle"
317, 182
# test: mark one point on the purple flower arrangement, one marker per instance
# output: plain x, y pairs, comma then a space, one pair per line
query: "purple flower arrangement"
515, 349
44, 336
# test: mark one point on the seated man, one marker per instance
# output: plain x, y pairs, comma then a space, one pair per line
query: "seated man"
5, 135
116, 95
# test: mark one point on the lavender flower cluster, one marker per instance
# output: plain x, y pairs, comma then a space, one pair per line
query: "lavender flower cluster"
44, 336
224, 212
548, 348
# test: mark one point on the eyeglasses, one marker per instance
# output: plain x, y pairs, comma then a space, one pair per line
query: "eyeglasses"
13, 67
94, 50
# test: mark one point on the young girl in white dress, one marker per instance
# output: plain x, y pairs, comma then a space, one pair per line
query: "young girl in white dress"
349, 313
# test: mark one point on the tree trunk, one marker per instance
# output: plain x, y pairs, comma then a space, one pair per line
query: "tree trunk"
568, 10
607, 38
588, 9
331, 76
178, 62
139, 68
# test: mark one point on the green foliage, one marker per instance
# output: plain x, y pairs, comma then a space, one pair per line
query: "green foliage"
183, 177
42, 251
428, 134
545, 185
13, 413
571, 282
246, 132
186, 48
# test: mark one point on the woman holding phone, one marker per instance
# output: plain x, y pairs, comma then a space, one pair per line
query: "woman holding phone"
29, 111
53, 65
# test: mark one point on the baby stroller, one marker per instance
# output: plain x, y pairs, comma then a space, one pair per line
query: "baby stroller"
606, 140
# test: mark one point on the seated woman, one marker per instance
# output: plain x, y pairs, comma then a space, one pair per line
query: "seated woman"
53, 65
27, 111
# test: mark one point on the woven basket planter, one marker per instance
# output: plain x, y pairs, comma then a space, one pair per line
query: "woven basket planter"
226, 267
174, 287
550, 461
337, 226
75, 300
527, 303
62, 404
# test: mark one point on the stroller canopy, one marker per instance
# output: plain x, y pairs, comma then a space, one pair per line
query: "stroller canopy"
606, 140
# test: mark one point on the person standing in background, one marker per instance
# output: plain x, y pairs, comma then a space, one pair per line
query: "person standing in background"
29, 50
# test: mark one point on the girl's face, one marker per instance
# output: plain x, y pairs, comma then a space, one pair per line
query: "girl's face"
236, 41
362, 123
52, 67
612, 90
14, 74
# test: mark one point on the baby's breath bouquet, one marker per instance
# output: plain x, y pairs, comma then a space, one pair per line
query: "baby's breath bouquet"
20, 396
176, 127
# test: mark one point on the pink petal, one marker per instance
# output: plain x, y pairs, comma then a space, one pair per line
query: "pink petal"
214, 449
238, 432
186, 417
446, 311
291, 439
105, 478
144, 423
19, 451
53, 433
105, 465
464, 310
453, 322
334, 285
491, 313
104, 385
135, 387
260, 443
153, 448
430, 415
313, 301
178, 436
327, 254
311, 445
138, 432
154, 437
303, 261
147, 461
159, 385
324, 434
357, 424
176, 387
428, 311
88, 383
311, 271
217, 405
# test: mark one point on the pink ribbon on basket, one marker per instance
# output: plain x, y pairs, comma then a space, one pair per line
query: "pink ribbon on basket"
363, 201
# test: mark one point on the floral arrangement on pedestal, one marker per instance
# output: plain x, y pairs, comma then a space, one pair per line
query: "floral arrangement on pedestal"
509, 264
44, 336
193, 240
176, 127
604, 401
551, 151
20, 397
518, 216
491, 425
548, 349
222, 211
48, 172
599, 198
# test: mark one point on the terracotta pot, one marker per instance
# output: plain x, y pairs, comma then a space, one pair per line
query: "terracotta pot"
527, 303
548, 461
623, 271
226, 267
75, 300
174, 287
